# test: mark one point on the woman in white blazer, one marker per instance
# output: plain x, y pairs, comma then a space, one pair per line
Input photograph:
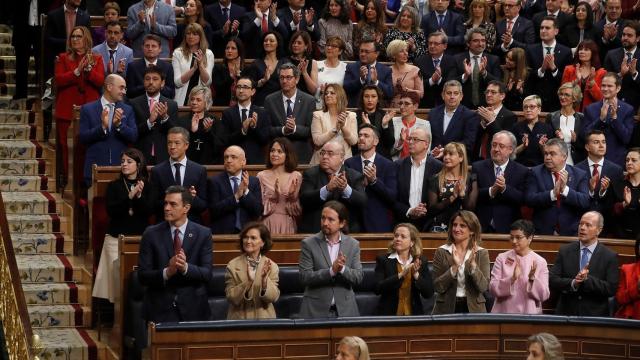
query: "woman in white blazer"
192, 63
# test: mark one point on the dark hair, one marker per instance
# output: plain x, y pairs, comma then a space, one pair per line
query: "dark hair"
246, 77
153, 37
369, 126
376, 45
380, 24
635, 25
552, 19
187, 198
344, 11
593, 132
265, 235
154, 69
588, 24
137, 156
291, 159
340, 208
615, 77
240, 46
279, 49
380, 104
525, 226
113, 23
595, 52
305, 38
502, 89
411, 95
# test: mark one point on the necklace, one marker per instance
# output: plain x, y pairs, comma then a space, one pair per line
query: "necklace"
129, 188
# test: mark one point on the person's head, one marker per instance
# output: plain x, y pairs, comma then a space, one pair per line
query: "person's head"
595, 144
200, 99
368, 52
245, 89
511, 8
133, 165
587, 52
406, 238
455, 157
548, 29
300, 44
476, 39
234, 160
177, 143
503, 147
263, 5
452, 94
334, 95
610, 86
419, 141
331, 157
398, 50
296, 4
289, 75
114, 88
531, 106
408, 18
282, 153
338, 9
72, 4
374, 14
613, 9
408, 104
516, 61
521, 235
368, 138
544, 346
177, 203
552, 5
495, 93
632, 161
630, 34
371, 98
79, 41
439, 6
233, 50
334, 47
437, 43
255, 238
195, 39
555, 152
479, 9
569, 95
334, 218
153, 80
151, 47
583, 12
194, 10
271, 43
114, 34
352, 348
464, 226
111, 12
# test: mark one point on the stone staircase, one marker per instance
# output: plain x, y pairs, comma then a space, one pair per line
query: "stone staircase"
56, 286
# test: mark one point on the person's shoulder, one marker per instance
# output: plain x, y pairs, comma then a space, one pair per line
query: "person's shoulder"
480, 164
159, 167
607, 250
200, 229
312, 238
156, 228
273, 97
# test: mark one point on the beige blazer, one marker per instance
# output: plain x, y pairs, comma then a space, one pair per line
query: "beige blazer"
322, 133
244, 296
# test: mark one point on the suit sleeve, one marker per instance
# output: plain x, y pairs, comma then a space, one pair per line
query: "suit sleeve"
309, 276
385, 282
358, 196
135, 27
200, 200
252, 202
441, 273
607, 286
310, 191
200, 270
170, 29
500, 285
479, 277
128, 131
353, 268
90, 131
539, 289
424, 284
579, 197
235, 287
150, 275
219, 204
559, 278
386, 186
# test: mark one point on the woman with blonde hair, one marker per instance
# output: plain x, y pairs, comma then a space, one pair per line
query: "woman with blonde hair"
192, 63
352, 348
480, 17
406, 77
568, 123
515, 72
544, 346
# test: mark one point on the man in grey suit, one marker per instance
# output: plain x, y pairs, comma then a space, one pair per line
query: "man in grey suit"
330, 267
291, 112
151, 17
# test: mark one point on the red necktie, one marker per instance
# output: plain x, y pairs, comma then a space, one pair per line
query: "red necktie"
483, 145
177, 245
596, 174
70, 18
265, 24
509, 25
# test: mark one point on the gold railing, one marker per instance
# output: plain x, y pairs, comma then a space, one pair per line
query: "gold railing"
13, 308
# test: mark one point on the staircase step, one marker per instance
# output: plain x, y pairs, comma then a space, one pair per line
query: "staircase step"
22, 117
7, 102
19, 149
29, 202
34, 224
4, 28
22, 167
46, 268
52, 293
9, 76
40, 244
10, 89
68, 344
5, 38
9, 62
17, 132
7, 50
23, 183
67, 315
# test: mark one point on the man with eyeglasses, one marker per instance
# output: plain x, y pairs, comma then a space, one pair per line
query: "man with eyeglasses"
436, 68
404, 124
331, 180
493, 118
367, 71
501, 185
414, 172
245, 124
291, 112
514, 30
447, 21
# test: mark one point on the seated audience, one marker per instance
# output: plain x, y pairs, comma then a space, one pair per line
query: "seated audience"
544, 346
330, 70
194, 13
515, 73
352, 348
531, 133
234, 196
251, 279
627, 295
494, 118
461, 268
370, 112
300, 48
406, 77
335, 22
610, 26
266, 66
585, 73
280, 184
205, 131
513, 31
135, 70
367, 71
402, 275
436, 67
224, 18
519, 277
115, 55
448, 21
404, 124
479, 16
258, 23
371, 25
624, 62
329, 289
585, 274
111, 13
226, 74
150, 17
626, 198
580, 27
568, 123
176, 280
407, 29
192, 63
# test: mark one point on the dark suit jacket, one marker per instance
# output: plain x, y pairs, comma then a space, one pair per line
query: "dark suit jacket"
256, 138
503, 208
577, 148
546, 214
592, 297
313, 179
547, 86
251, 34
522, 34
610, 45
504, 121
433, 94
194, 175
453, 26
286, 16
630, 90
463, 127
561, 20
493, 73
188, 291
528, 10
156, 137
135, 78
377, 215
56, 35
214, 16
403, 170
570, 36
353, 86
223, 204
598, 203
617, 132
388, 286
386, 135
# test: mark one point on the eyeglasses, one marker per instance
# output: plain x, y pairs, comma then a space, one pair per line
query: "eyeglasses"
506, 6
413, 139
76, 36
499, 146
405, 103
287, 77
565, 95
364, 51
491, 92
244, 87
433, 43
328, 153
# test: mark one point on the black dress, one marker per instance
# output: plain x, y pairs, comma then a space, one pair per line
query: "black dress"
626, 224
224, 85
256, 71
127, 216
388, 286
205, 146
440, 208
386, 135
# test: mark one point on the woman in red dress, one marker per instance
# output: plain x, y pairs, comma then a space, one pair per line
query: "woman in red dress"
628, 294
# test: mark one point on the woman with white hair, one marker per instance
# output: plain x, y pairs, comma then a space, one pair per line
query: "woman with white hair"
352, 348
204, 145
406, 77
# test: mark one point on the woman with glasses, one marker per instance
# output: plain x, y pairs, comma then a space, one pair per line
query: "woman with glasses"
333, 123
226, 74
567, 123
519, 277
531, 133
192, 63
335, 22
264, 70
407, 28
330, 70
406, 77
586, 73
404, 124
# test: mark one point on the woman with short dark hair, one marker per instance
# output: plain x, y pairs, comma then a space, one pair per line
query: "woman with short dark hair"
335, 22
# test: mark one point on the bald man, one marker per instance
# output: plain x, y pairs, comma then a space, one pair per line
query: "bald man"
107, 125
234, 196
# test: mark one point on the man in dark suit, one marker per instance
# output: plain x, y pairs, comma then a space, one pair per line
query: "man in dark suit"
256, 23
155, 115
531, 7
178, 170
452, 121
107, 126
449, 22
59, 24
475, 68
412, 199
493, 119
547, 61
291, 112
552, 9
585, 273
501, 185
175, 263
436, 68
234, 196
224, 18
557, 192
367, 70
151, 17
514, 30
379, 181
612, 116
609, 27
331, 181
246, 125
296, 18
135, 71
624, 61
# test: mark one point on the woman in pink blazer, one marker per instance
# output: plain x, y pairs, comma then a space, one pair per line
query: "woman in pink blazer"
628, 294
520, 278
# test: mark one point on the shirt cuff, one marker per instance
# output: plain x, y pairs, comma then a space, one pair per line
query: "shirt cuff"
149, 124
164, 274
257, 21
276, 22
324, 193
347, 192
553, 195
540, 73
565, 191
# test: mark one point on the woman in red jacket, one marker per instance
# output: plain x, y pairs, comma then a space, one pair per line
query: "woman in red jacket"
586, 72
79, 75
628, 294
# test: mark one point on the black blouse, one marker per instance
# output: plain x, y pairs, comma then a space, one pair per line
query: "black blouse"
127, 216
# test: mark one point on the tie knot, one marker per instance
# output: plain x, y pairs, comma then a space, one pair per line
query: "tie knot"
548, 49
288, 101
177, 166
595, 166
176, 232
111, 52
367, 162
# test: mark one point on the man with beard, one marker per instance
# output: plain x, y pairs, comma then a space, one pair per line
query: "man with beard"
624, 62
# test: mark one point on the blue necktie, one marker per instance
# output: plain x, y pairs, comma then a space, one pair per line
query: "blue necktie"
289, 108
584, 260
440, 20
629, 56
235, 189
436, 62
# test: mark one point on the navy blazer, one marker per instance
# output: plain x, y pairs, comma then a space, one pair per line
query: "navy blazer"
453, 26
403, 170
463, 127
251, 34
546, 214
630, 89
614, 43
223, 204
433, 93
353, 86
493, 73
214, 16
522, 34
286, 16
135, 78
254, 140
105, 148
377, 215
561, 22
504, 207
188, 291
194, 175
504, 121
156, 137
617, 132
610, 170
547, 86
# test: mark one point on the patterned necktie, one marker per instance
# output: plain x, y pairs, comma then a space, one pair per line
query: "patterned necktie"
596, 174
629, 56
498, 171
475, 82
177, 244
436, 62
440, 20
584, 260
548, 48
509, 25
265, 24
177, 176
112, 61
225, 13
289, 108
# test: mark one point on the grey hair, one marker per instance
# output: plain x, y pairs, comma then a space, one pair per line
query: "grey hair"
476, 30
289, 66
512, 138
205, 91
564, 149
575, 91
599, 215
534, 98
551, 346
426, 131
451, 83
445, 38
180, 130
338, 144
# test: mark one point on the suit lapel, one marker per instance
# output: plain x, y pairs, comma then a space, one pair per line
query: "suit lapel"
322, 245
168, 240
187, 239
453, 121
